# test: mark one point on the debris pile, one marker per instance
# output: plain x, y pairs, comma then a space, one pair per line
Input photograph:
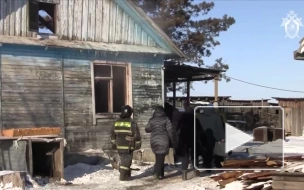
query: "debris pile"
251, 179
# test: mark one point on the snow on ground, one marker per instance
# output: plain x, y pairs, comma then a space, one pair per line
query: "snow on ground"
294, 145
104, 177
83, 176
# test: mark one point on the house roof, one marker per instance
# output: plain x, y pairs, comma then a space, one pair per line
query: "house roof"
299, 53
180, 72
198, 97
288, 99
164, 44
141, 17
248, 101
98, 46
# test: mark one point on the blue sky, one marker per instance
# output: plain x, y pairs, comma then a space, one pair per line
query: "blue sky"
257, 51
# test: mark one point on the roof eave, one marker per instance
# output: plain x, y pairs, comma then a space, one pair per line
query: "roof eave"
142, 15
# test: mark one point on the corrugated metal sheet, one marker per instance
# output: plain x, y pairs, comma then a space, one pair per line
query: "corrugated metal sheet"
99, 46
82, 20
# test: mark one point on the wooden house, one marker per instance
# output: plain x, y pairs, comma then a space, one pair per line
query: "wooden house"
74, 63
293, 114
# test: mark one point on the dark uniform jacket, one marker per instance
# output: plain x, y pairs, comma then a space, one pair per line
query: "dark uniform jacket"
125, 135
162, 133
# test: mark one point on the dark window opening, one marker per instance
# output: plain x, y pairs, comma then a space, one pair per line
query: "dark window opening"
46, 159
277, 112
119, 88
102, 95
42, 17
110, 88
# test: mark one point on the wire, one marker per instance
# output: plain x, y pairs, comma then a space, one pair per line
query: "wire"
280, 89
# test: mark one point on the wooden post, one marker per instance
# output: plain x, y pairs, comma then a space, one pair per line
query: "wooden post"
216, 78
30, 156
174, 93
188, 91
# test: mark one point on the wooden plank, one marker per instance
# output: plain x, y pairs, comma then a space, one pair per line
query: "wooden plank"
31, 86
12, 17
21, 109
125, 27
9, 125
288, 178
71, 27
2, 14
105, 20
91, 20
31, 131
23, 60
30, 117
6, 23
112, 21
18, 19
85, 15
24, 18
131, 31
28, 67
77, 19
32, 99
34, 72
118, 27
290, 185
30, 157
17, 179
42, 76
58, 161
64, 8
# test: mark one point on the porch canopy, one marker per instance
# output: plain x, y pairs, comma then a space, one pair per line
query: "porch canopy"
175, 72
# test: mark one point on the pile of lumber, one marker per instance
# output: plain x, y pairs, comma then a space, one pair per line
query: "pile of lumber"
251, 180
259, 163
254, 180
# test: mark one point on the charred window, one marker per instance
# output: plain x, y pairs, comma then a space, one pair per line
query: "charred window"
110, 88
41, 17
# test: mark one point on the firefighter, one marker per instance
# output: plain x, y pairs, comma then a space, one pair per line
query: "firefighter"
125, 137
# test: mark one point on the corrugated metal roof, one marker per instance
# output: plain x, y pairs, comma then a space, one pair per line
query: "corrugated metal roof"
98, 46
289, 99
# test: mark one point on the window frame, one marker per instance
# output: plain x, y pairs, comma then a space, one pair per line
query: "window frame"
129, 98
53, 2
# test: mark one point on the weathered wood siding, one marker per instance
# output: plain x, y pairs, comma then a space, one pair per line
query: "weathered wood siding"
294, 116
31, 90
82, 20
28, 94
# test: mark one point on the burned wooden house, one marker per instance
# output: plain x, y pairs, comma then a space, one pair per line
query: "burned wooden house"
74, 64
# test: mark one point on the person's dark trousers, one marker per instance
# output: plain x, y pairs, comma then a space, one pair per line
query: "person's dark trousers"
159, 167
218, 160
188, 155
208, 155
125, 166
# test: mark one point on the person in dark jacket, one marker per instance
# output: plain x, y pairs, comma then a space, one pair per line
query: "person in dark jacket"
162, 133
125, 137
212, 125
186, 142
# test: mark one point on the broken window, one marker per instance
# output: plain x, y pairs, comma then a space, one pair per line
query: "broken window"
41, 17
110, 88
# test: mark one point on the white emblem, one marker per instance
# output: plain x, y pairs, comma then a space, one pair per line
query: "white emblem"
292, 25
